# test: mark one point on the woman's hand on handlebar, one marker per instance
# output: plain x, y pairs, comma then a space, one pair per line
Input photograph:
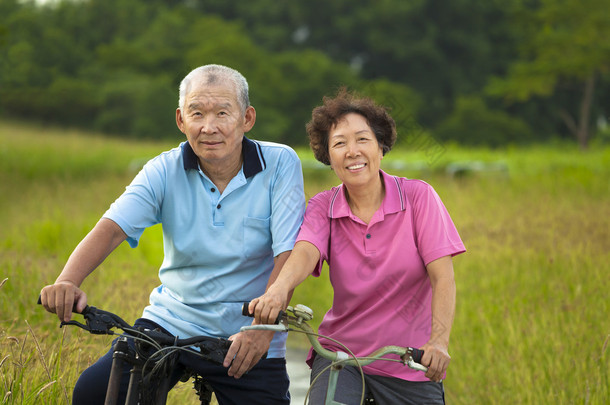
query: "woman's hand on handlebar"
436, 358
267, 307
62, 298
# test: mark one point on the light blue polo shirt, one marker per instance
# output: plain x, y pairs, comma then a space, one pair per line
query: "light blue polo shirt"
218, 249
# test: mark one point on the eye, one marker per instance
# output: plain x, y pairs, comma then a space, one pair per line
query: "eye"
338, 143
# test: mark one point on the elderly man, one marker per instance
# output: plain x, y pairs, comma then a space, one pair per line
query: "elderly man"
231, 209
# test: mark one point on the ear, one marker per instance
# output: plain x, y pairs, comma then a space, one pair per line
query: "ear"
249, 119
180, 120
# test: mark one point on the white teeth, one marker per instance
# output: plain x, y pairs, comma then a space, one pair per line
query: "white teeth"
355, 167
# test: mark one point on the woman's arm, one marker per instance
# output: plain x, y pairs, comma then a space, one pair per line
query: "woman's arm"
301, 263
436, 356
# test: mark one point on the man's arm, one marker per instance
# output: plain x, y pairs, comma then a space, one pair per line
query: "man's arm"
61, 296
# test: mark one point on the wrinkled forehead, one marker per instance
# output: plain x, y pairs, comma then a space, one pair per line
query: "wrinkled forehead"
211, 81
214, 93
350, 121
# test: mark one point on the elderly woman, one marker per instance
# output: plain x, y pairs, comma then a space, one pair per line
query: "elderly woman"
389, 242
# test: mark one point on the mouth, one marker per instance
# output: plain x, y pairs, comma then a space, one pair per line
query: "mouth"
356, 166
210, 143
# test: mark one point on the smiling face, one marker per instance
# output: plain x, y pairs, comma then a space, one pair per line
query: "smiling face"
214, 123
355, 155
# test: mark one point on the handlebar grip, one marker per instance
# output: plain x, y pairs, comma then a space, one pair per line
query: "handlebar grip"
246, 312
85, 310
417, 355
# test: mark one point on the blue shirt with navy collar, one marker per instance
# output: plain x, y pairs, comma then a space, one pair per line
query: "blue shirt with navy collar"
218, 249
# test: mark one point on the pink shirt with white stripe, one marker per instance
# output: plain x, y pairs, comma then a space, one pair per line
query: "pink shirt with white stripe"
382, 293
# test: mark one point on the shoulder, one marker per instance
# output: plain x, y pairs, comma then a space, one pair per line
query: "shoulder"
162, 162
415, 190
278, 152
413, 186
172, 155
324, 198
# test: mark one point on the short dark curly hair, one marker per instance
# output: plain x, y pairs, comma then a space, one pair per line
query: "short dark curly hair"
324, 117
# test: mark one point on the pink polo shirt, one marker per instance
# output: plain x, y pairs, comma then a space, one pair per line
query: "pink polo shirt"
382, 293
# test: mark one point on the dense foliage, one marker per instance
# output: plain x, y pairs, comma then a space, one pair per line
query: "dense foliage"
114, 65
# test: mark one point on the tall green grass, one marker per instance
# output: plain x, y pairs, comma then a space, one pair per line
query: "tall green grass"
532, 316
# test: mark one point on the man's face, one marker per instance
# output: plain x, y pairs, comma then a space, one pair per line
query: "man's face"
214, 123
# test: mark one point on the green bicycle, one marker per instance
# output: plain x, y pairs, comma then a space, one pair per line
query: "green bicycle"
299, 315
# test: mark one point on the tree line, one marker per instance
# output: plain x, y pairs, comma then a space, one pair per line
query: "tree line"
478, 73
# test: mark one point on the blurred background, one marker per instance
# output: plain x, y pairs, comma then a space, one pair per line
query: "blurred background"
502, 106
477, 73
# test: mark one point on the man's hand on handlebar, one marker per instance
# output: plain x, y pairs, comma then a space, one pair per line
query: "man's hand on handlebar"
62, 298
247, 348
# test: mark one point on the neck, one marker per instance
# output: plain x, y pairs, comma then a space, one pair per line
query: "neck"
221, 173
365, 201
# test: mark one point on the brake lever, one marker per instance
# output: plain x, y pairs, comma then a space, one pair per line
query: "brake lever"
75, 323
97, 322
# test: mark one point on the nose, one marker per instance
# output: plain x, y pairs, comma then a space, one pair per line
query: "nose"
352, 149
208, 124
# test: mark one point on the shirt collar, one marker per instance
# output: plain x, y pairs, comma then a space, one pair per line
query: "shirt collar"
394, 200
254, 162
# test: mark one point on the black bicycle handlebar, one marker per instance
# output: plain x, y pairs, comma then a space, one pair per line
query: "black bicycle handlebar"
245, 311
100, 322
417, 354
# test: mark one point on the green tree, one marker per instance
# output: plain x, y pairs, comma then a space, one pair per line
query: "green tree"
115, 65
564, 45
474, 123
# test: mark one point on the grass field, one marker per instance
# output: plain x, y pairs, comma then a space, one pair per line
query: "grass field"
532, 323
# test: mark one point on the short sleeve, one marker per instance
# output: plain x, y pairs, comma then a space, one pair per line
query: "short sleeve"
139, 206
288, 202
435, 232
316, 227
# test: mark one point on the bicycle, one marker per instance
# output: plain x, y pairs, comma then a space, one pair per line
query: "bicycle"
153, 358
299, 315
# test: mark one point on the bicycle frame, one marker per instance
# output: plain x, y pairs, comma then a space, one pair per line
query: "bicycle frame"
410, 357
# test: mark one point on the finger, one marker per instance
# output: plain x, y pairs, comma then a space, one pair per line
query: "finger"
68, 304
274, 313
436, 369
81, 302
252, 306
242, 365
237, 362
47, 299
443, 368
431, 365
264, 314
257, 311
233, 349
427, 357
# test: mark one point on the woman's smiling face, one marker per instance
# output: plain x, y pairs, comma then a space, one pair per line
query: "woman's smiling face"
355, 154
